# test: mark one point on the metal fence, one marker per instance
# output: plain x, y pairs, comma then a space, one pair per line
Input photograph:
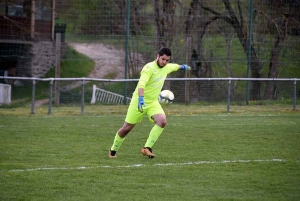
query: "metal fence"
218, 38
184, 95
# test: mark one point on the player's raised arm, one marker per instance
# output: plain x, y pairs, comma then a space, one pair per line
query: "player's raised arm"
184, 67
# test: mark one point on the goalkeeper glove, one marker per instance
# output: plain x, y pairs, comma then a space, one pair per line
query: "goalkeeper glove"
141, 103
185, 67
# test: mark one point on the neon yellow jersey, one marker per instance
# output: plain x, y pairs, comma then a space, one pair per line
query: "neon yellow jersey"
152, 80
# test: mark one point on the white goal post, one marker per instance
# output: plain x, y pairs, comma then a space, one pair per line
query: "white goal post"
103, 96
5, 94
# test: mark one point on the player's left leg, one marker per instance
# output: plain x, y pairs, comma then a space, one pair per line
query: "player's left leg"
158, 116
160, 123
153, 137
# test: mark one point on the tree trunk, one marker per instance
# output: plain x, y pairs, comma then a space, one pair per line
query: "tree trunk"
255, 87
273, 67
164, 24
274, 60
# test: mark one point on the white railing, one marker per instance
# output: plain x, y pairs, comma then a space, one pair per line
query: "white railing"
85, 80
103, 96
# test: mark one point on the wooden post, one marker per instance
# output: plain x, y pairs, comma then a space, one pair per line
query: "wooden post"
57, 68
32, 22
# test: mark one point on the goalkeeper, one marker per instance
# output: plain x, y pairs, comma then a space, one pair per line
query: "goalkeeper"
145, 102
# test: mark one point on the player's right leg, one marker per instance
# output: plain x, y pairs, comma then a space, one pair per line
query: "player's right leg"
133, 116
119, 138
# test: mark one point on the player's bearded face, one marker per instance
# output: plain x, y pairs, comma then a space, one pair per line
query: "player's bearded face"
162, 60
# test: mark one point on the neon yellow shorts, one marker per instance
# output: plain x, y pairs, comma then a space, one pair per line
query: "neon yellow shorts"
135, 116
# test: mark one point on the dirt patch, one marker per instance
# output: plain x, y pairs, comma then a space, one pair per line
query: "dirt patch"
109, 61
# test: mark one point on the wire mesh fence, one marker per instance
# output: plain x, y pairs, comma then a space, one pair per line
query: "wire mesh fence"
115, 39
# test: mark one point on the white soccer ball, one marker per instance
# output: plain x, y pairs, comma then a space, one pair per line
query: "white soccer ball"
166, 97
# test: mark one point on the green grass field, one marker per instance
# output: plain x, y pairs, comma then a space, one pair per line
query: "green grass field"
203, 154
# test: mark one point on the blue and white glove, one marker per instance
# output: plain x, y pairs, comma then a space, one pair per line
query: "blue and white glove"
141, 103
185, 67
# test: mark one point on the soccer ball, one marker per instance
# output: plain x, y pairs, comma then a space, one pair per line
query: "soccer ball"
166, 97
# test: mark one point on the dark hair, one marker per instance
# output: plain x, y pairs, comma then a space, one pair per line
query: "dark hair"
165, 51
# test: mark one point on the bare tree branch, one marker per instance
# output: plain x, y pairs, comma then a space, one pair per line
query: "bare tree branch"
234, 20
218, 15
241, 14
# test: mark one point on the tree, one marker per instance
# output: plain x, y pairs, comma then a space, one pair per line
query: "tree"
164, 23
237, 20
281, 14
196, 22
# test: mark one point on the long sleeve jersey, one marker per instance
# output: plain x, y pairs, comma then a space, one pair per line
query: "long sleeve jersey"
152, 80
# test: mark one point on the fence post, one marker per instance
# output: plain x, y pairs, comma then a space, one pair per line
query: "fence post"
50, 97
57, 67
187, 73
249, 50
126, 47
94, 95
228, 95
82, 97
33, 96
295, 94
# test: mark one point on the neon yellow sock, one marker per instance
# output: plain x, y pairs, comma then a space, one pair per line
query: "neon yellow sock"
154, 135
117, 142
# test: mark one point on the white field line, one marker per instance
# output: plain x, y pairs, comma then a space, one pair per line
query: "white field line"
143, 165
